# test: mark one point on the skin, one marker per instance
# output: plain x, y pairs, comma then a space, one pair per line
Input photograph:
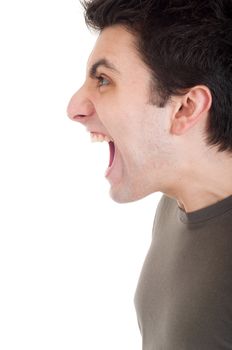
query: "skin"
157, 149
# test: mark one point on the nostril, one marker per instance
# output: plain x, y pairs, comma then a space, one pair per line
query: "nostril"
79, 118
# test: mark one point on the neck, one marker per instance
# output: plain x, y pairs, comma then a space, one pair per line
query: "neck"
204, 181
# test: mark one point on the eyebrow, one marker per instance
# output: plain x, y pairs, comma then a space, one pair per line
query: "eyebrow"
102, 62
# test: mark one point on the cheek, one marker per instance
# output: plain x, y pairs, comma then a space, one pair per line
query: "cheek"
114, 115
131, 124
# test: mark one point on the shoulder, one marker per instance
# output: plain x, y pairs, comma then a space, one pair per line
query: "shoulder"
166, 204
165, 209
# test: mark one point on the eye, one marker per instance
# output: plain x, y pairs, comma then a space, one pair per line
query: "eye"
102, 81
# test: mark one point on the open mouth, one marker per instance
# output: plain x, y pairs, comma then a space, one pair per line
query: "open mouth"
97, 137
112, 153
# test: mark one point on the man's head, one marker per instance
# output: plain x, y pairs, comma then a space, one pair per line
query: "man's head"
158, 80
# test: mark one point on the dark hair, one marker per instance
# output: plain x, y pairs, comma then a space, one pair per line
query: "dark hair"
184, 43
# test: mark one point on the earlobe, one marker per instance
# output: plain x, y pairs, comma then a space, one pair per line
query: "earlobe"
192, 107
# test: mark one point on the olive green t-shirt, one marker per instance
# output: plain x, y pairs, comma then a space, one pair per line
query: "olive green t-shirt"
184, 294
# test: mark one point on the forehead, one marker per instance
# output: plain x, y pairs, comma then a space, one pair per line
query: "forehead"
116, 45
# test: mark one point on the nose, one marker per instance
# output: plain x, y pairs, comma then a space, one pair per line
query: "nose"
80, 107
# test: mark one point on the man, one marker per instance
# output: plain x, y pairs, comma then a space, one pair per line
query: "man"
159, 89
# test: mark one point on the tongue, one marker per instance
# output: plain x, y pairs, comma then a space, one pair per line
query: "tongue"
112, 152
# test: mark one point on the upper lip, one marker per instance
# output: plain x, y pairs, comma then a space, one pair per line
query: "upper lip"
100, 132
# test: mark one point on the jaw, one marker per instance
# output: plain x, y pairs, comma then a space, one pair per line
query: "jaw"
125, 185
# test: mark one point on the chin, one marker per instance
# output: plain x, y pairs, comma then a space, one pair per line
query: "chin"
126, 194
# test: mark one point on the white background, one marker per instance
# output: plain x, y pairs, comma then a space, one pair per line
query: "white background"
70, 257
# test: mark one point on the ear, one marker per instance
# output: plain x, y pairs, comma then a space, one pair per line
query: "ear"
192, 107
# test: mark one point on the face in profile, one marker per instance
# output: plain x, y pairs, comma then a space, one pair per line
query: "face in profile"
114, 106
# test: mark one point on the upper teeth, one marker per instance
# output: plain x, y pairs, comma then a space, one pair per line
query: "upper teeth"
95, 137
